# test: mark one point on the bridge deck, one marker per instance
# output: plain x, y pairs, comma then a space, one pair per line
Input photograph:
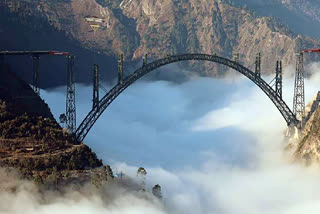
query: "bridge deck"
26, 53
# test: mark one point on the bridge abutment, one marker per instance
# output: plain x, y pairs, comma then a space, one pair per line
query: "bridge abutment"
293, 132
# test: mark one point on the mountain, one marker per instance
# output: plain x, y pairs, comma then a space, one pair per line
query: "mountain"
161, 27
31, 139
21, 30
302, 16
308, 147
20, 97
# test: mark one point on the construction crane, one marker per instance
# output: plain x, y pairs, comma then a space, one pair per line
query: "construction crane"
311, 51
68, 118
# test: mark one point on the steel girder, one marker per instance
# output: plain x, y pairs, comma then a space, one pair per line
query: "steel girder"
94, 114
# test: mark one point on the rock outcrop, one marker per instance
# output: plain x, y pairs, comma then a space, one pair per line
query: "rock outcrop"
308, 147
160, 27
31, 139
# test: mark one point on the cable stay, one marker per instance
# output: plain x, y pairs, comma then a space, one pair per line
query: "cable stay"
273, 82
103, 88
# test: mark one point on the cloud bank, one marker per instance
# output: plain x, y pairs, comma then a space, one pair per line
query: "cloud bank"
215, 146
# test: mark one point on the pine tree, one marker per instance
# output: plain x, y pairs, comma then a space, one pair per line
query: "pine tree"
142, 173
156, 191
38, 179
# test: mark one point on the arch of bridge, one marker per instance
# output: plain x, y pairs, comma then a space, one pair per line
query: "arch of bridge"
95, 113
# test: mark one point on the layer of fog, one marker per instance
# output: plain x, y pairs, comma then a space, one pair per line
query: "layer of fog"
215, 146
21, 196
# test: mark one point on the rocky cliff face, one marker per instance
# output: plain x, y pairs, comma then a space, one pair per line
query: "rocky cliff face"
309, 8
211, 27
160, 27
308, 147
301, 16
31, 139
17, 98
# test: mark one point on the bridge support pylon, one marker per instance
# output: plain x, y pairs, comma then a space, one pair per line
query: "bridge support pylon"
120, 69
293, 132
279, 79
236, 57
145, 60
35, 60
258, 65
95, 97
70, 101
299, 98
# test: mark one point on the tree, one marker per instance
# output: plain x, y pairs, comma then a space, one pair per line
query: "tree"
107, 173
156, 191
96, 180
141, 174
142, 171
38, 179
55, 176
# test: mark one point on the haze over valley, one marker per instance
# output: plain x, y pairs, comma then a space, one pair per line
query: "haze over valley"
159, 106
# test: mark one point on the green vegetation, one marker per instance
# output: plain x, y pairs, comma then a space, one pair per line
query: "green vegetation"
156, 191
102, 176
35, 144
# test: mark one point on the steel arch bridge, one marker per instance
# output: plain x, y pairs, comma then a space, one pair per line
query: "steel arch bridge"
95, 113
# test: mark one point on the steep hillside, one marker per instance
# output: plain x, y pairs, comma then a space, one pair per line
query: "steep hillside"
22, 30
302, 16
19, 98
161, 27
212, 27
307, 8
308, 148
31, 139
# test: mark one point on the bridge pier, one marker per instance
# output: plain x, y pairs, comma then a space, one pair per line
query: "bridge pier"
258, 65
293, 132
120, 69
95, 98
236, 57
70, 99
279, 78
35, 59
145, 60
299, 98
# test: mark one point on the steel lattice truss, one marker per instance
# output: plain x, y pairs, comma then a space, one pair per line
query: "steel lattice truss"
71, 101
94, 114
299, 98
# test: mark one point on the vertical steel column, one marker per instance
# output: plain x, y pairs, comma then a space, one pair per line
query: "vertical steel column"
145, 60
120, 69
279, 79
299, 99
258, 65
71, 95
95, 99
35, 59
236, 57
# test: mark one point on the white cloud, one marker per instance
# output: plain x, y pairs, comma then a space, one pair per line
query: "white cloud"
215, 146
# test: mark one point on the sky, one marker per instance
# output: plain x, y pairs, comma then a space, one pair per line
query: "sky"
214, 146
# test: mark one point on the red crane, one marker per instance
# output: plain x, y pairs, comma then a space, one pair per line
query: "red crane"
311, 51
